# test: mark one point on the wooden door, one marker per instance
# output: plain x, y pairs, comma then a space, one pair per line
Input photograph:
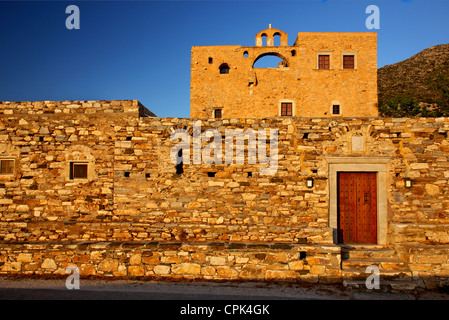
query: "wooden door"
357, 207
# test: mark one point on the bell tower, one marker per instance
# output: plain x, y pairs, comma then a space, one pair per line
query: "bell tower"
269, 35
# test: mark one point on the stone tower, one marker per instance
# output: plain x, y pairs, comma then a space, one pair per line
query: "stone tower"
323, 74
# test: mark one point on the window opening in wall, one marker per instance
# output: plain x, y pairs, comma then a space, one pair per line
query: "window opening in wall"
250, 174
129, 138
217, 113
126, 174
41, 139
211, 60
270, 60
305, 135
180, 165
224, 68
276, 39
336, 109
286, 109
6, 166
302, 255
348, 62
323, 61
245, 54
78, 170
293, 53
147, 175
211, 174
264, 39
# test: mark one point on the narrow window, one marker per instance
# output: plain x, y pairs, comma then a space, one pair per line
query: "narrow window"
323, 61
217, 114
264, 39
210, 60
245, 54
224, 69
180, 165
276, 39
6, 166
78, 170
348, 62
293, 53
336, 109
286, 109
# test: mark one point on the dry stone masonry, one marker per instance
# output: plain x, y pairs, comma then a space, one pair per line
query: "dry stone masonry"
91, 184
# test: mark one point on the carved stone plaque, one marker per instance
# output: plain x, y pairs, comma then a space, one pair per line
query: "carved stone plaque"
357, 143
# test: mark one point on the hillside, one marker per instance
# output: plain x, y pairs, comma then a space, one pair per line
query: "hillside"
412, 75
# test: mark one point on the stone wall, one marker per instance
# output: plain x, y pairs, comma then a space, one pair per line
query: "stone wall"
159, 260
220, 219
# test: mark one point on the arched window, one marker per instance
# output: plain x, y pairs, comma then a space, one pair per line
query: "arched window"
264, 39
224, 68
293, 53
277, 39
245, 54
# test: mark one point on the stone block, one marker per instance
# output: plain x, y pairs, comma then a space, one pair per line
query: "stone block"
136, 271
108, 265
49, 264
186, 268
218, 261
227, 272
252, 271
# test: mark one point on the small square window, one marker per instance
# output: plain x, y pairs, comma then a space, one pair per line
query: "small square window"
6, 166
217, 114
78, 170
348, 62
336, 109
286, 109
324, 61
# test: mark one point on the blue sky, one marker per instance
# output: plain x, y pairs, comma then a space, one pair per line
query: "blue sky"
141, 49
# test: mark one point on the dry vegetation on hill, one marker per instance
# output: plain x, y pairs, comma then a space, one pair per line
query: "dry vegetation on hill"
418, 85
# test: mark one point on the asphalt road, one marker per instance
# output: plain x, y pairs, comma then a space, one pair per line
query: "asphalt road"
193, 300
38, 289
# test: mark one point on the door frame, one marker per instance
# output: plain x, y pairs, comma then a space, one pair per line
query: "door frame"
359, 164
